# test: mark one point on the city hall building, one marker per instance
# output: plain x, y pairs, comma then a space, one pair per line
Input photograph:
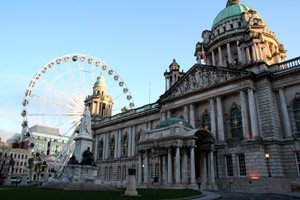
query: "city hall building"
230, 123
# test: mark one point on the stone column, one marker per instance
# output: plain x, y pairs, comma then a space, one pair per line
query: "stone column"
140, 167
104, 147
248, 58
220, 120
268, 50
260, 53
244, 115
240, 59
220, 56
129, 142
203, 172
192, 115
133, 141
166, 169
254, 53
229, 53
177, 165
186, 113
96, 149
253, 113
169, 114
163, 116
146, 168
107, 145
285, 114
213, 117
161, 169
211, 171
170, 166
213, 58
149, 125
119, 143
192, 165
184, 166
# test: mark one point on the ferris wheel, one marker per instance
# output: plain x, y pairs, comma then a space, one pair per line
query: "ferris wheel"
55, 95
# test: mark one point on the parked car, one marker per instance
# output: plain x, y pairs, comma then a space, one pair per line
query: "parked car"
15, 180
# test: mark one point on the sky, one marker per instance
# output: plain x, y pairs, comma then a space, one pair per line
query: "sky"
138, 39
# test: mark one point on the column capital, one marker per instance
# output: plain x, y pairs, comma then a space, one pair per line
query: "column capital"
279, 88
220, 97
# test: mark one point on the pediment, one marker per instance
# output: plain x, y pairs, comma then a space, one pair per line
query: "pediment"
203, 77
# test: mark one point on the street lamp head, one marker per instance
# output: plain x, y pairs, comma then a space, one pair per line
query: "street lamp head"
267, 155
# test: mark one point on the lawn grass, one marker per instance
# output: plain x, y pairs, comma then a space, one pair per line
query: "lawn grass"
32, 193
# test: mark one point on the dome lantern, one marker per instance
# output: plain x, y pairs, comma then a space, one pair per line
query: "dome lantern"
232, 2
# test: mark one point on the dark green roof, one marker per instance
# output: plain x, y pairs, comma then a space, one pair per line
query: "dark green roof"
171, 121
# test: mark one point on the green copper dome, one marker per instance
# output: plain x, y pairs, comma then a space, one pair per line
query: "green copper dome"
100, 81
171, 121
231, 12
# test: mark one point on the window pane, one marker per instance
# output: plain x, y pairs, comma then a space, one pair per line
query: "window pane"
229, 165
236, 124
242, 164
297, 114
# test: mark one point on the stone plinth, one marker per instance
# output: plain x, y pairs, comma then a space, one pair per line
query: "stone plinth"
131, 185
82, 142
80, 174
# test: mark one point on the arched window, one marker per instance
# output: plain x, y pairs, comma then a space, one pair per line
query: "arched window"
112, 147
236, 126
125, 145
296, 110
138, 136
206, 121
100, 146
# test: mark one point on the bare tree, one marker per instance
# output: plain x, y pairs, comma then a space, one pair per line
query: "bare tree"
5, 163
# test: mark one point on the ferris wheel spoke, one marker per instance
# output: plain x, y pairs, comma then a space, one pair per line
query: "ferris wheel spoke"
44, 99
54, 89
55, 114
59, 77
73, 79
73, 121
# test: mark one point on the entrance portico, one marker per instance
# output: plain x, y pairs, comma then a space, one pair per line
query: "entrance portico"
183, 155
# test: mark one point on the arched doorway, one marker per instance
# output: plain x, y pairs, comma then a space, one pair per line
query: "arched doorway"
204, 170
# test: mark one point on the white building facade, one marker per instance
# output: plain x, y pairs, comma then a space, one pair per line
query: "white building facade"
215, 124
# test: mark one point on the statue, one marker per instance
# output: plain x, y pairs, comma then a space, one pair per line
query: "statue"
87, 157
85, 122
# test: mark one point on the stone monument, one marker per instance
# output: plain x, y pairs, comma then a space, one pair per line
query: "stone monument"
131, 184
84, 139
81, 167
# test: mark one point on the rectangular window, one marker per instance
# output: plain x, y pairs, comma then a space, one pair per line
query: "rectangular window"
241, 164
110, 173
124, 173
105, 173
229, 165
156, 170
119, 173
298, 162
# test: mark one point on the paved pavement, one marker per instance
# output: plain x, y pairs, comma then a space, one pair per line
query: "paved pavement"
249, 196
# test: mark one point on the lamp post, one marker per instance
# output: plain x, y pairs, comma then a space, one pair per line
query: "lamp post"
267, 156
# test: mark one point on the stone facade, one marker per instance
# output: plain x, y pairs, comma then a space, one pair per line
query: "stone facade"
215, 124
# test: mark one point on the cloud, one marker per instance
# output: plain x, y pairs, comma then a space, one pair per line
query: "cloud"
4, 135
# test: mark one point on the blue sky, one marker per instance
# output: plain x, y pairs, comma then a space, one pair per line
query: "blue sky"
138, 39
